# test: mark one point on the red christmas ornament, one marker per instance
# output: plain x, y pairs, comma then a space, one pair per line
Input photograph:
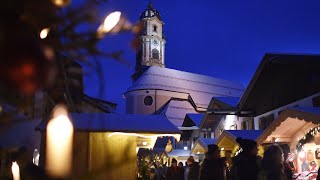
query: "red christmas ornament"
24, 65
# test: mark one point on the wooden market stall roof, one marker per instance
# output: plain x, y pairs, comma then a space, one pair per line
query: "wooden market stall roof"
291, 124
228, 137
112, 122
201, 145
279, 80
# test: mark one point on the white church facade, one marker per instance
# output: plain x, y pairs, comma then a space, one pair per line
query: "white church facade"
160, 90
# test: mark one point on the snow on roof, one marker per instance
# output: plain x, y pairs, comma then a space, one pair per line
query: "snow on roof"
20, 133
177, 110
231, 101
201, 88
245, 134
196, 118
179, 153
111, 122
312, 110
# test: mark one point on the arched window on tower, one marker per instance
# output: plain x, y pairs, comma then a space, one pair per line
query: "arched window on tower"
155, 28
155, 54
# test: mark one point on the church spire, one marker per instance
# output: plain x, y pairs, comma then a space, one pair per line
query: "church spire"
152, 42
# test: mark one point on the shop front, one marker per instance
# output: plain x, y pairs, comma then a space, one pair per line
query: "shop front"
200, 147
228, 145
299, 128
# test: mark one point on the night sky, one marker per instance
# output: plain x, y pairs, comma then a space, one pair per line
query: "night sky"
223, 39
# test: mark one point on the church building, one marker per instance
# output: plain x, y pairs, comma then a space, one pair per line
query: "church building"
157, 89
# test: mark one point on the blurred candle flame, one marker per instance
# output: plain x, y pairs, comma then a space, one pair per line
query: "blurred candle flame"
59, 143
15, 171
109, 23
44, 33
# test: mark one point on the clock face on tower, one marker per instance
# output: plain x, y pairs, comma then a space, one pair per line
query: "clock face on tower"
155, 42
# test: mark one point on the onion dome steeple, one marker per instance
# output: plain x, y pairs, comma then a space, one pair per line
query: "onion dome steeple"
150, 12
150, 51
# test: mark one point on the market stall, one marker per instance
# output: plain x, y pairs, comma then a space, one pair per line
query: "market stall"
228, 145
299, 128
200, 147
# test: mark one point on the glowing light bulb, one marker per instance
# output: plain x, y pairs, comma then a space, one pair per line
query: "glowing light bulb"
61, 3
144, 143
44, 33
111, 21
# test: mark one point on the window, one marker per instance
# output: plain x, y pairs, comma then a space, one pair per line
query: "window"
265, 121
155, 28
244, 125
148, 100
155, 54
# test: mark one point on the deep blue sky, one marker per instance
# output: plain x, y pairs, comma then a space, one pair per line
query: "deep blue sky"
224, 39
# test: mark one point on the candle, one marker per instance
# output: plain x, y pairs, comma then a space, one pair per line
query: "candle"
15, 171
59, 144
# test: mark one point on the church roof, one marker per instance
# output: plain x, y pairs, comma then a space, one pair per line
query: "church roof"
193, 119
176, 111
150, 12
231, 101
200, 87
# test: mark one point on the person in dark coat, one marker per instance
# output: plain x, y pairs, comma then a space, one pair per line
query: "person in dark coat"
272, 167
287, 169
174, 172
194, 169
246, 165
212, 166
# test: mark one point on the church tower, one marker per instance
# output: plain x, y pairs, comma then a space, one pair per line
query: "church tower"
150, 51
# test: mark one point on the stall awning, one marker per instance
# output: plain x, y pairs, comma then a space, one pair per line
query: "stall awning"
112, 122
179, 153
201, 145
291, 124
228, 138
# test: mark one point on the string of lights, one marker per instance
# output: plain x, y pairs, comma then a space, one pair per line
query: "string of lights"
307, 138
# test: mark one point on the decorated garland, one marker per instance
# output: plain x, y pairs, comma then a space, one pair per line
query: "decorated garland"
308, 137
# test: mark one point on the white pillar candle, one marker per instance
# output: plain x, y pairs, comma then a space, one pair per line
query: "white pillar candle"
59, 144
15, 171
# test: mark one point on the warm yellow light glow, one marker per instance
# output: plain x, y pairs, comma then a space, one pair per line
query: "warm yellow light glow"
277, 140
15, 171
151, 137
302, 154
61, 3
111, 21
222, 149
198, 152
44, 33
144, 143
176, 136
59, 143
